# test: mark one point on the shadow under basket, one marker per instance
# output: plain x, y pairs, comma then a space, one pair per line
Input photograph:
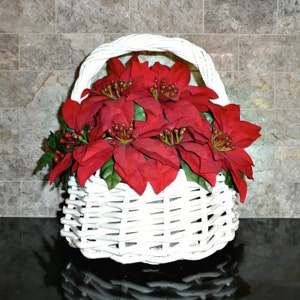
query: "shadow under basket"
182, 222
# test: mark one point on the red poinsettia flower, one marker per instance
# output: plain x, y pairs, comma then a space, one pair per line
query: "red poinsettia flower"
116, 86
172, 83
188, 134
230, 136
127, 142
167, 82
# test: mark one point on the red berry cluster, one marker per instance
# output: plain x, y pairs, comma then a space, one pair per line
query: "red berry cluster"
68, 141
122, 133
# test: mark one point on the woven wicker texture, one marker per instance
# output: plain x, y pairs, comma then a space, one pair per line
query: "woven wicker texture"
182, 222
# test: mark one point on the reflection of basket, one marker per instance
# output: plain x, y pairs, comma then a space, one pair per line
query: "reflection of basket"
213, 278
183, 221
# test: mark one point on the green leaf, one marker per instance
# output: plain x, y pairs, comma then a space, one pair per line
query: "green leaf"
191, 176
139, 113
109, 174
64, 127
228, 179
45, 160
208, 117
52, 140
66, 176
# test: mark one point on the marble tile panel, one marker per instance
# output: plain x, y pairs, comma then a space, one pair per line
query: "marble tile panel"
21, 89
39, 199
27, 16
9, 126
263, 157
12, 162
240, 16
10, 199
31, 157
92, 16
287, 162
35, 125
56, 51
288, 16
261, 201
223, 49
163, 16
51, 91
19, 162
288, 196
287, 123
250, 89
277, 53
16, 87
279, 127
9, 51
287, 91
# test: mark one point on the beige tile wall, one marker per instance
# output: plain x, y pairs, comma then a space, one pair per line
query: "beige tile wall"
255, 45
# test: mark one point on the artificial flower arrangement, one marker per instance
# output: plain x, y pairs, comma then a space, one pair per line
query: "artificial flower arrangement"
140, 124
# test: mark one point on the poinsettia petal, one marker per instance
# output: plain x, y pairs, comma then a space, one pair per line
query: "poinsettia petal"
161, 70
159, 175
120, 111
233, 112
91, 158
63, 165
194, 148
70, 111
100, 84
211, 178
239, 163
153, 126
240, 184
85, 171
184, 114
207, 168
139, 70
130, 165
115, 66
192, 159
83, 154
227, 117
199, 96
203, 92
179, 74
90, 107
239, 157
154, 148
181, 109
151, 108
245, 134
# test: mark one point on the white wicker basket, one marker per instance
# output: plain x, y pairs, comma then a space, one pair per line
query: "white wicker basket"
183, 221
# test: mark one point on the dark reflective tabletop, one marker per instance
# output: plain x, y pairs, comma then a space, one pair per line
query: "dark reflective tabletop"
263, 262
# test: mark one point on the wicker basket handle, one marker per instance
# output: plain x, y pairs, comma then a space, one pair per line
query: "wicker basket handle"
154, 43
